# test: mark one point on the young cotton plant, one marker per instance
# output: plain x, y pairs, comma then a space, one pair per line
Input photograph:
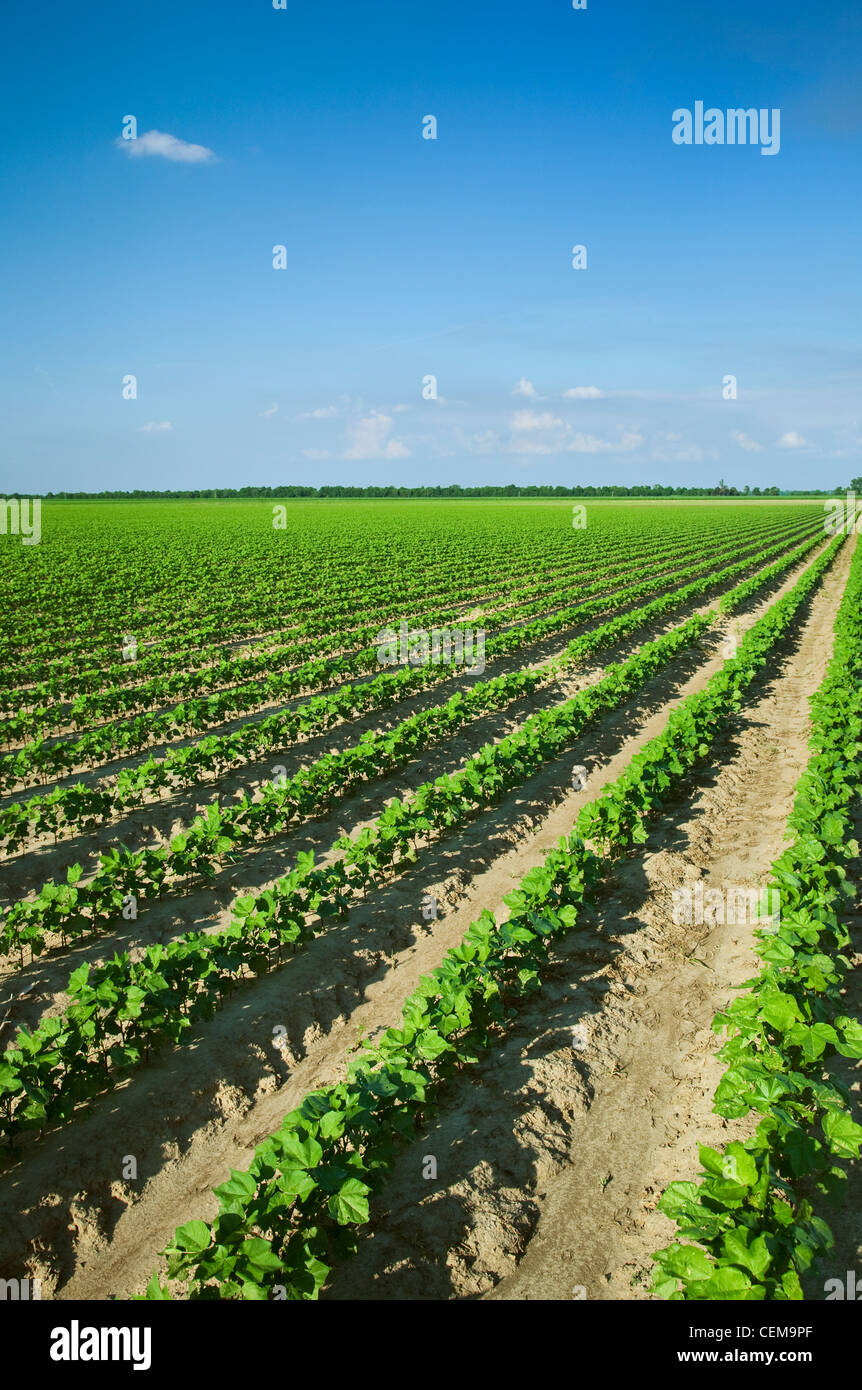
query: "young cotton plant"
753, 1215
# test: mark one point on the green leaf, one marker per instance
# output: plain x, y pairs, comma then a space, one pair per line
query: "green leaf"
738, 1165
729, 1283
155, 1290
843, 1134
780, 1011
678, 1198
305, 1153
850, 1032
194, 1237
686, 1262
754, 1257
350, 1202
260, 1254
239, 1187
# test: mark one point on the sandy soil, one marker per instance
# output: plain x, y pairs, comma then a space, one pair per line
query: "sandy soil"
552, 1159
551, 1166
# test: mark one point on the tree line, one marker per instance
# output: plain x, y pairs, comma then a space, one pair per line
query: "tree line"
346, 490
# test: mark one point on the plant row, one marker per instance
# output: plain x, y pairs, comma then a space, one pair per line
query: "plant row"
752, 1216
44, 759
159, 676
124, 1009
299, 1208
38, 721
317, 592
74, 908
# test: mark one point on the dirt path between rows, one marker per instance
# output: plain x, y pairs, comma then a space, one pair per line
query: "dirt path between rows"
27, 994
191, 1116
551, 1161
112, 766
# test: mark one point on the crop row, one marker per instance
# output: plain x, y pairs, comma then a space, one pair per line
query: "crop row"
45, 759
74, 908
237, 582
751, 1215
298, 1209
228, 670
123, 1009
338, 623
618, 816
67, 810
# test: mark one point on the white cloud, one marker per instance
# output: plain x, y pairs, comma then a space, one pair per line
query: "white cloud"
668, 447
273, 410
589, 444
532, 420
156, 426
582, 393
533, 446
750, 446
481, 442
324, 412
792, 440
158, 142
526, 389
541, 432
369, 439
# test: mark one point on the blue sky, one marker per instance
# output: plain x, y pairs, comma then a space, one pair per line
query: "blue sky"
408, 257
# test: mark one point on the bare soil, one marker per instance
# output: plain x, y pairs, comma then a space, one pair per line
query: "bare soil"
552, 1157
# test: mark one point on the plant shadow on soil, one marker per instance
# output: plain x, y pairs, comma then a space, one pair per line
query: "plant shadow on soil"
230, 1059
162, 920
409, 1258
29, 869
845, 1221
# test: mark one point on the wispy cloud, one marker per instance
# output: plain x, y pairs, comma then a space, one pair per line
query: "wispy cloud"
542, 432
582, 393
590, 444
273, 410
669, 447
526, 389
324, 412
536, 420
792, 440
480, 441
369, 439
156, 427
158, 142
533, 446
745, 442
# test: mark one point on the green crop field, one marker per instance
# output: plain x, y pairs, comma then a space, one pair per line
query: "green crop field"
321, 820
